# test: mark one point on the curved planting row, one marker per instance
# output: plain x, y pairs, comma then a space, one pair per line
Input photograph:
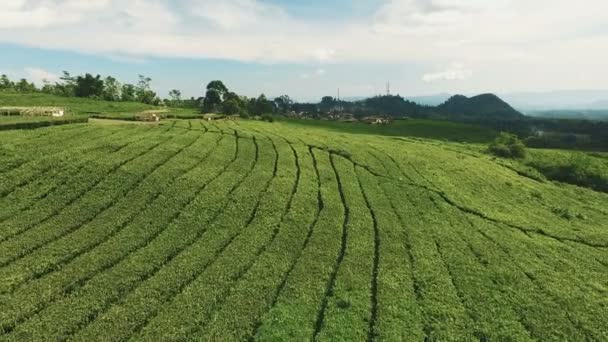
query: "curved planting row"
221, 230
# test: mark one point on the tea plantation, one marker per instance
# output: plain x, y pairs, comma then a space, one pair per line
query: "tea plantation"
245, 230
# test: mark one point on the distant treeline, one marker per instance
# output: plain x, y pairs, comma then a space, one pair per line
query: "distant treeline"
486, 110
97, 87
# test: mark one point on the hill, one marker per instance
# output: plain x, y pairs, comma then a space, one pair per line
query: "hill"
480, 107
279, 231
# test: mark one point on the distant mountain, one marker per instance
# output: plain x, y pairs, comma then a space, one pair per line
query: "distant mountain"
580, 114
603, 104
485, 106
558, 100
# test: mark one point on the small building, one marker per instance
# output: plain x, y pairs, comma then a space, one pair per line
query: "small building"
376, 120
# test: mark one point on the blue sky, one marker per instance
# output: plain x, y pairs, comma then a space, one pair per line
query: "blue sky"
308, 49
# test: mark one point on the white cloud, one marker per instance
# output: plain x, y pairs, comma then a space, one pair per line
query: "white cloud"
235, 14
454, 72
38, 75
505, 36
319, 72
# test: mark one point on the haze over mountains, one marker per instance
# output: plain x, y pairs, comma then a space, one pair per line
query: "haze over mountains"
538, 101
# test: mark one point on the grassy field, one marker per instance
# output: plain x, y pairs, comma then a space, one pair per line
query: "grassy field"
191, 230
78, 106
430, 129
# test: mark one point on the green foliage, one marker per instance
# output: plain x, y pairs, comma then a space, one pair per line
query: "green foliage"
89, 86
37, 122
218, 86
268, 118
283, 103
111, 89
144, 93
127, 93
507, 146
576, 168
260, 106
232, 107
212, 101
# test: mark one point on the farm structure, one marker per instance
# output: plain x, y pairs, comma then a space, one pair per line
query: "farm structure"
33, 111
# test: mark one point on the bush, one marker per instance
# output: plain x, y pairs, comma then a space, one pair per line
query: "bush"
578, 169
268, 118
508, 146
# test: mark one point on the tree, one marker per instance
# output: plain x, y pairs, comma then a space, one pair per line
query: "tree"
67, 86
47, 87
283, 103
143, 91
89, 86
261, 105
24, 87
176, 98
111, 89
219, 87
212, 101
6, 83
232, 106
127, 93
327, 103
508, 145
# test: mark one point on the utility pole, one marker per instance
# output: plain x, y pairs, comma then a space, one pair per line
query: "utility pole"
339, 103
388, 88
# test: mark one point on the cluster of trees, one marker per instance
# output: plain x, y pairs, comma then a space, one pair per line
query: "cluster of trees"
219, 99
22, 86
89, 86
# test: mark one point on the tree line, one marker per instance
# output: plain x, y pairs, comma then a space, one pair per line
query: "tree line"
216, 99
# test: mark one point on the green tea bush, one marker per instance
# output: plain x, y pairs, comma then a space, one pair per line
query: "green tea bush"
267, 118
508, 146
578, 168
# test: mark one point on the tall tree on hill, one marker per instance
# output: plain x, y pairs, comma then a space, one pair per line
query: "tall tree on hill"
214, 96
175, 98
143, 91
219, 87
127, 93
261, 105
67, 85
283, 103
111, 89
327, 103
89, 86
23, 86
6, 83
212, 101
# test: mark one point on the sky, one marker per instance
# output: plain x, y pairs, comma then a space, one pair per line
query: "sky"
310, 48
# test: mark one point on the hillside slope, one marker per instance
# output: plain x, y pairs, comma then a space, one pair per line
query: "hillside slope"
275, 231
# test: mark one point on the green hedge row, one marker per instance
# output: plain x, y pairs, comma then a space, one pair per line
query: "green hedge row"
38, 124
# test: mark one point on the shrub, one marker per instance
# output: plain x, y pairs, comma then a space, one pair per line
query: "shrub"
578, 169
507, 145
268, 118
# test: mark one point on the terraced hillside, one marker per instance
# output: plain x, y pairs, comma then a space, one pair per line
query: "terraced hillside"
268, 231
